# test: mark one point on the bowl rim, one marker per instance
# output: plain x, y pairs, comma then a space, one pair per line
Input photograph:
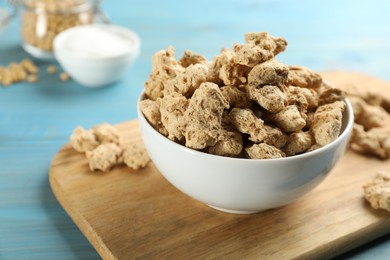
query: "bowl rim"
344, 134
132, 35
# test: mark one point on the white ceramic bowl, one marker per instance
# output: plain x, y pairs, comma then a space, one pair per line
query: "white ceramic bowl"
243, 185
96, 55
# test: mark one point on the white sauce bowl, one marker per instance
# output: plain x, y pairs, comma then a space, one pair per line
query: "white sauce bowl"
96, 55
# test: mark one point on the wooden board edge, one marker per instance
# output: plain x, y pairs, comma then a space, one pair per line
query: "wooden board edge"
349, 242
360, 74
77, 217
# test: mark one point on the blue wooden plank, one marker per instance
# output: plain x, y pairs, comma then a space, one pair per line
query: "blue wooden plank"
37, 119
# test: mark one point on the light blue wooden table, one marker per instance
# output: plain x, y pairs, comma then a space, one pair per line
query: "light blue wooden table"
37, 119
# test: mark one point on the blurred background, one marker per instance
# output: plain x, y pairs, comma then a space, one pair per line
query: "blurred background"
37, 119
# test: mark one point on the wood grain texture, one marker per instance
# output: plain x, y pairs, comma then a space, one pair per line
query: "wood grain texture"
129, 214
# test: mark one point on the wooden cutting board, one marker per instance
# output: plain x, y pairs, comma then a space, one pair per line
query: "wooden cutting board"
129, 214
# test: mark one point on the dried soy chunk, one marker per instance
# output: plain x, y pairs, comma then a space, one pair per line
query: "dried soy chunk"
297, 97
164, 68
331, 95
368, 95
16, 72
189, 58
377, 191
249, 54
172, 109
186, 82
135, 157
32, 78
104, 157
236, 97
6, 77
51, 69
311, 96
357, 104
304, 77
86, 140
313, 147
289, 119
258, 48
29, 66
64, 76
106, 133
271, 97
267, 42
246, 122
151, 111
324, 87
309, 118
225, 71
103, 148
204, 116
234, 74
263, 151
270, 72
370, 134
83, 140
230, 144
224, 57
275, 136
226, 122
373, 116
298, 142
370, 116
327, 121
375, 141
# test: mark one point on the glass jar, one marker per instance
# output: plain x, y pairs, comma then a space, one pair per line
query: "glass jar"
42, 20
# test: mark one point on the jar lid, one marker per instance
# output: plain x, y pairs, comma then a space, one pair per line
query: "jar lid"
58, 6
